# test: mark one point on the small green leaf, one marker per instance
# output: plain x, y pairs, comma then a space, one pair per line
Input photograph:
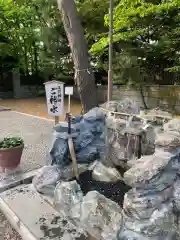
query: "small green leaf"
10, 142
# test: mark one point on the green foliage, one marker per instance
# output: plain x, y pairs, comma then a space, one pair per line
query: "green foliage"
148, 31
146, 39
174, 69
32, 33
11, 142
32, 36
92, 15
17, 25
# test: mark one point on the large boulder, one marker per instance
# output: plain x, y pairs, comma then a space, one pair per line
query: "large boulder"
103, 173
127, 234
172, 126
168, 140
147, 168
46, 179
139, 205
66, 195
98, 215
160, 221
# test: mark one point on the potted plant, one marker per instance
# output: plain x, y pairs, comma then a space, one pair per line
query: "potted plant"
10, 152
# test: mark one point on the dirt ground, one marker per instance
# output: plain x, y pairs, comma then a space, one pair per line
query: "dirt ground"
37, 106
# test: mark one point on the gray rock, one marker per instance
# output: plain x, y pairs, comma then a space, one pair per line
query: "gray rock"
94, 114
141, 207
88, 138
103, 173
172, 125
111, 106
115, 123
168, 140
123, 139
160, 182
176, 195
159, 112
147, 168
116, 152
98, 215
134, 161
66, 195
127, 234
45, 181
161, 220
63, 128
67, 173
128, 106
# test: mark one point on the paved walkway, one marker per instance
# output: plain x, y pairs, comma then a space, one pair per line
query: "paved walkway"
36, 133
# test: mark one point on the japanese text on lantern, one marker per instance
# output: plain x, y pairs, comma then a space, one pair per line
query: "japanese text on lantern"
55, 99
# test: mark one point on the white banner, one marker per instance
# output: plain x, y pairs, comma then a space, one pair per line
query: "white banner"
55, 98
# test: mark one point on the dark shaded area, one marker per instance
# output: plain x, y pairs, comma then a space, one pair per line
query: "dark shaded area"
32, 80
100, 76
121, 170
6, 82
7, 63
57, 228
114, 191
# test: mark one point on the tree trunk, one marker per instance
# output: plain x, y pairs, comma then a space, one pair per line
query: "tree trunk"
83, 73
143, 98
26, 67
35, 57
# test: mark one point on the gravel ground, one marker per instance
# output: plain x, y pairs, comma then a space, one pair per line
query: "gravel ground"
37, 135
38, 107
6, 231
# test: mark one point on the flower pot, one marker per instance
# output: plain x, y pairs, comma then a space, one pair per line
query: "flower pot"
10, 157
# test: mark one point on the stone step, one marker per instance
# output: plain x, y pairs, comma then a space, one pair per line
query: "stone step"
34, 219
15, 179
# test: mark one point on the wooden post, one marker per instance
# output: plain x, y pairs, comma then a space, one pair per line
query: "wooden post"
56, 119
69, 92
73, 157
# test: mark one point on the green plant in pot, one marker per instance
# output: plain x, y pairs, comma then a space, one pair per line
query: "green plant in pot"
11, 149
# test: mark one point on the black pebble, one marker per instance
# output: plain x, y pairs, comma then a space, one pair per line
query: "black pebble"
114, 191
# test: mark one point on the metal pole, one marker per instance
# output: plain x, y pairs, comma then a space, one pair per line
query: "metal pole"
110, 73
69, 103
69, 114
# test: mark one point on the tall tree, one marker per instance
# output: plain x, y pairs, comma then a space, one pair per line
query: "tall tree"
35, 38
84, 76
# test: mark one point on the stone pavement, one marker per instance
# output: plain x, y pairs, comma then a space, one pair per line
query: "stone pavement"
37, 135
43, 222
